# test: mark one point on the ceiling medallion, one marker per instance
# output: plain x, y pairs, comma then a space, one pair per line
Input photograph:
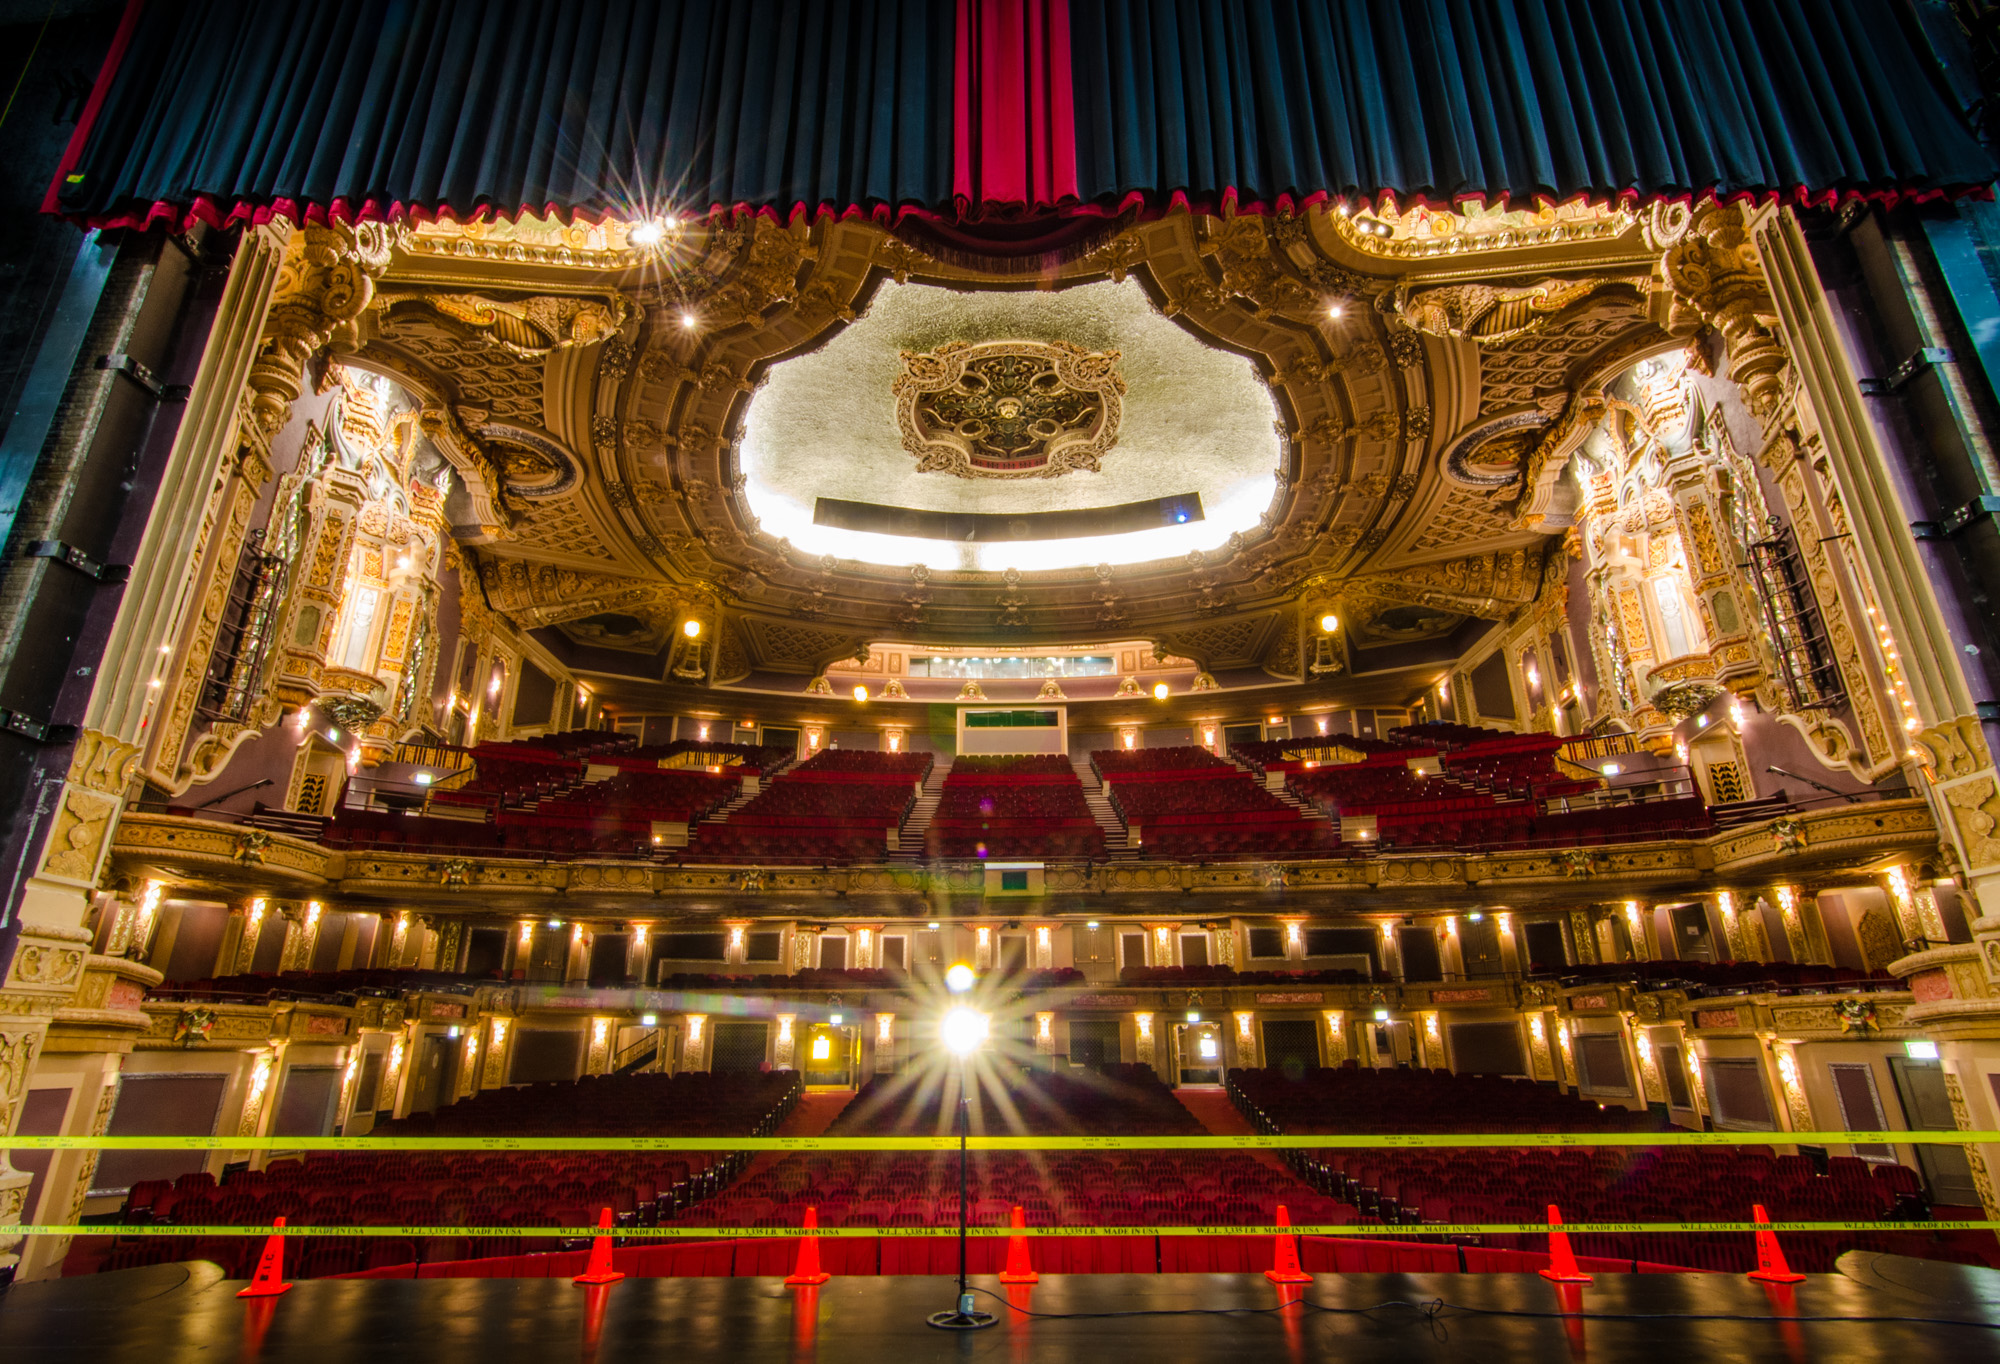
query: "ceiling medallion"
1008, 409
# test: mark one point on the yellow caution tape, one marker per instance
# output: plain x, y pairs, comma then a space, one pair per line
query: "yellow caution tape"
1311, 1141
1366, 1232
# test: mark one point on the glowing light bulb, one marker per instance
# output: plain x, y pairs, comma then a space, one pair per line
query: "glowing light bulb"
860, 693
963, 1031
959, 978
688, 321
648, 233
1159, 691
692, 629
1329, 622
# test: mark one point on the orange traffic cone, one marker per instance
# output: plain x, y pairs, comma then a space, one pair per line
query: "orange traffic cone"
1287, 1270
269, 1280
1018, 1269
1562, 1264
1771, 1266
807, 1270
599, 1269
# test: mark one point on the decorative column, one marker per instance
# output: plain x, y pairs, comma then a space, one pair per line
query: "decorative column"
254, 917
1145, 1045
1652, 1086
466, 1083
1336, 1037
1637, 921
694, 1042
1582, 937
262, 1071
1791, 1085
1722, 906
885, 1043
805, 946
1246, 1039
1540, 1060
1787, 898
494, 1075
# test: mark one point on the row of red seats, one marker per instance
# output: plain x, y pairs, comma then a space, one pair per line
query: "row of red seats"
1031, 806
1438, 1185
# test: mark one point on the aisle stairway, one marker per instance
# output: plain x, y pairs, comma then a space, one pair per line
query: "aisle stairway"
1274, 782
1117, 842
910, 838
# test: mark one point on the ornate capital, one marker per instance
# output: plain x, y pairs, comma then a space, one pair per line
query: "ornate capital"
326, 281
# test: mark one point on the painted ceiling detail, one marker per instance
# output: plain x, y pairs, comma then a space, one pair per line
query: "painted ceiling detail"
1008, 409
1373, 410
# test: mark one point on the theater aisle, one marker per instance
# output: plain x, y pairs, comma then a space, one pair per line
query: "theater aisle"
1213, 1110
814, 1114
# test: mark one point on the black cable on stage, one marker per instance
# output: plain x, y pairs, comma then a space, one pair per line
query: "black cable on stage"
1435, 1310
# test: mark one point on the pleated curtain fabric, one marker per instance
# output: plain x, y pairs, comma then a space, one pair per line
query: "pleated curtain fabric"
234, 108
982, 111
1289, 101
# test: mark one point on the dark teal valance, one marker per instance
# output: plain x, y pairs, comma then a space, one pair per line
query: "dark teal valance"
1444, 99
375, 108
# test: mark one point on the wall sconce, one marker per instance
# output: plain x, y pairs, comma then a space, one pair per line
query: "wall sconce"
313, 908
885, 1029
694, 1022
1292, 935
1389, 929
257, 915
1431, 1026
1042, 941
599, 1032
1045, 1027
1144, 1022
527, 932
812, 739
499, 1031
1243, 1026
1130, 738
1163, 946
1535, 1029
984, 935
1333, 1022
736, 938
895, 742
784, 1027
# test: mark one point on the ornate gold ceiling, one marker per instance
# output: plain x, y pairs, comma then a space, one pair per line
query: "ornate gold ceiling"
590, 395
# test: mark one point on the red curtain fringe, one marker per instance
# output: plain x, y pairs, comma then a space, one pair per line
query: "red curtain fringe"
213, 213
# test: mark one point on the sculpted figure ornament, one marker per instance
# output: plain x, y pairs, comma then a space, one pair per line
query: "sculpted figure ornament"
531, 327
192, 1026
455, 874
1491, 314
1788, 835
250, 845
1857, 1015
1577, 863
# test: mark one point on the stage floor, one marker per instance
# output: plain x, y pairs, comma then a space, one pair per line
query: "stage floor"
181, 1313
